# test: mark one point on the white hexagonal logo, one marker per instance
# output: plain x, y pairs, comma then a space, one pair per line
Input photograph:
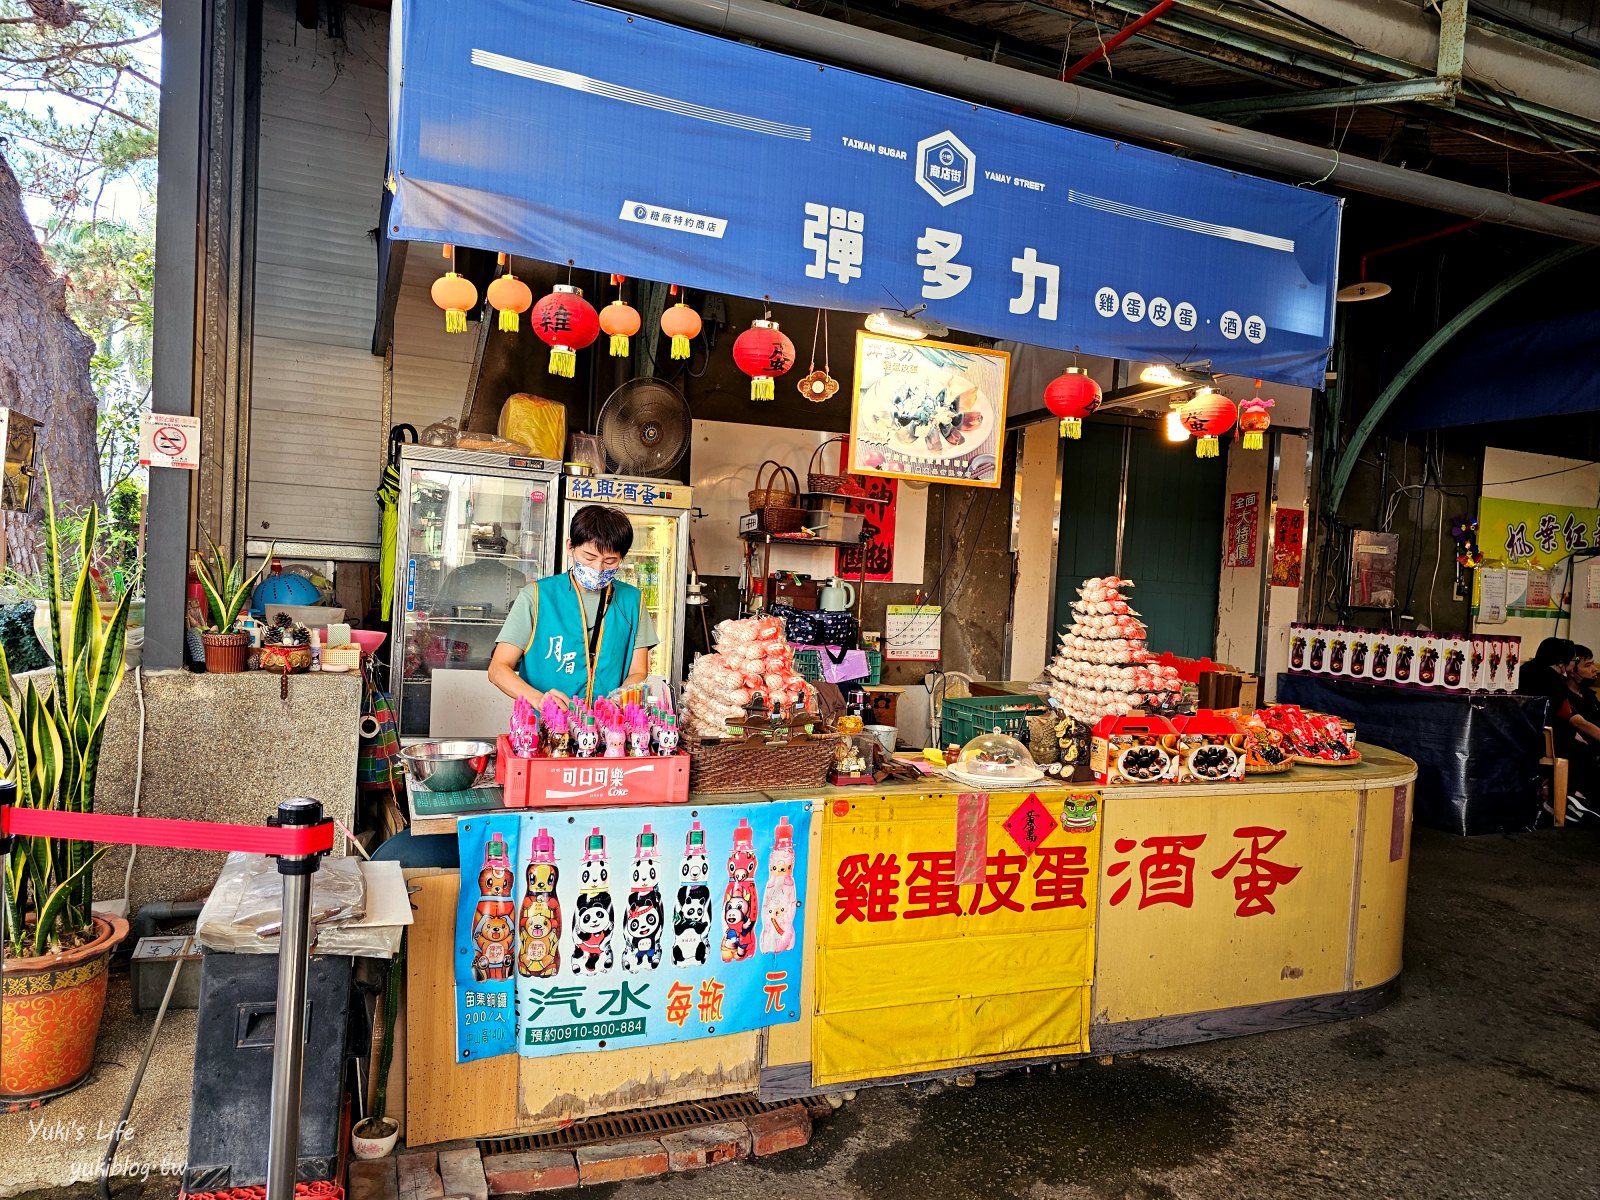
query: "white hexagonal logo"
946, 169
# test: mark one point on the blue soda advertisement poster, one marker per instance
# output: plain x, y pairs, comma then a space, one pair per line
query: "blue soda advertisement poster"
611, 928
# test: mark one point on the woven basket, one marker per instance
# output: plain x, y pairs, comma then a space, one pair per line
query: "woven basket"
745, 767
817, 481
777, 508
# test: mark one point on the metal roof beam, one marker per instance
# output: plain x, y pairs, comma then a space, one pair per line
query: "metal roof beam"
1008, 87
1410, 90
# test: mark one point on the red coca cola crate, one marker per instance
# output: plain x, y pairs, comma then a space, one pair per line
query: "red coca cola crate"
589, 782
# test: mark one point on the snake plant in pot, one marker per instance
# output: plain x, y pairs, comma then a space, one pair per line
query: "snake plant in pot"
56, 950
228, 591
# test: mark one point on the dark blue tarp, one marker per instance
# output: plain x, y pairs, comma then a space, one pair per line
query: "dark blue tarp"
1542, 370
563, 130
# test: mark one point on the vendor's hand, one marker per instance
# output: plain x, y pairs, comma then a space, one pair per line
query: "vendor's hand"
560, 697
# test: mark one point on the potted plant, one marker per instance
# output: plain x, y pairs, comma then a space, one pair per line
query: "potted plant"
375, 1135
56, 950
227, 590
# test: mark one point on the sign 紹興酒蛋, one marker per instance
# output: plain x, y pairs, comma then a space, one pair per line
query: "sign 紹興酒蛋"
169, 441
628, 145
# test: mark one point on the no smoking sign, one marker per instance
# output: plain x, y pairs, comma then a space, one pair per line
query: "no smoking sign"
169, 441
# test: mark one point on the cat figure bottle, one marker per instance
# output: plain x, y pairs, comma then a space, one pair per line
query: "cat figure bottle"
779, 902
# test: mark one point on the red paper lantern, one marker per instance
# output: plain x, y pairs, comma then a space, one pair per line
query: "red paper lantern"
1072, 396
680, 323
1208, 416
509, 296
621, 321
763, 352
565, 320
457, 295
1254, 420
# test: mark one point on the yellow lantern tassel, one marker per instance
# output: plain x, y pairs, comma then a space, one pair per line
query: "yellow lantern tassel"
1206, 447
1071, 427
1252, 440
761, 388
455, 320
619, 345
563, 362
680, 346
508, 320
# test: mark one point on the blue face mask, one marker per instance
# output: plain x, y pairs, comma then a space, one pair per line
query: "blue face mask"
591, 579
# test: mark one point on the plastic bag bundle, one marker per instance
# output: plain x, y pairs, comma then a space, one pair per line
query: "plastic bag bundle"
538, 424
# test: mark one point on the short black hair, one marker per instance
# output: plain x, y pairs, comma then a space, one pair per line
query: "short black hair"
607, 528
1579, 653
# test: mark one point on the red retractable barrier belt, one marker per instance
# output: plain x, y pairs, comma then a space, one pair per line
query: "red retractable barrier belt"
159, 831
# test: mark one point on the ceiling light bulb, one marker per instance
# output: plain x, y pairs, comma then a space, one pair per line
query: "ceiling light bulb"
1160, 373
889, 323
1175, 430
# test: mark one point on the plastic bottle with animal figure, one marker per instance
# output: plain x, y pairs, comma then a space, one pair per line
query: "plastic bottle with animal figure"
779, 902
492, 928
646, 913
739, 899
539, 929
586, 737
691, 916
667, 739
594, 918
638, 730
523, 735
558, 735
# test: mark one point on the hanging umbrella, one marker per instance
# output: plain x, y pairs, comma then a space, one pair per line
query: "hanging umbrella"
388, 498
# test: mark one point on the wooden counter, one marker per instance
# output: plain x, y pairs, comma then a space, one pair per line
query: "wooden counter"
1181, 914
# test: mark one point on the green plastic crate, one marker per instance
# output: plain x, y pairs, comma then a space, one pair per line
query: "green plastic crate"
963, 718
808, 665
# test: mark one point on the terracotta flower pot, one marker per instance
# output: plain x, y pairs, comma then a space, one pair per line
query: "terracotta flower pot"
226, 653
51, 1018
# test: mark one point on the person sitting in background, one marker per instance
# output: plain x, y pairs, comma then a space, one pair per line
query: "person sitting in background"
1584, 680
1550, 673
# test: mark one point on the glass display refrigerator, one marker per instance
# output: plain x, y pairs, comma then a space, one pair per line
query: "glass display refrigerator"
472, 530
658, 564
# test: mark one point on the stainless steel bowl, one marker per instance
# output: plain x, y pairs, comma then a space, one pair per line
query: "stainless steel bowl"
450, 766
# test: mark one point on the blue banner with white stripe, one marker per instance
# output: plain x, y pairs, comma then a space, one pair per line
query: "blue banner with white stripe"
560, 130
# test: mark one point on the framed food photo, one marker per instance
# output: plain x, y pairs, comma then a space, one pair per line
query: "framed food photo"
928, 411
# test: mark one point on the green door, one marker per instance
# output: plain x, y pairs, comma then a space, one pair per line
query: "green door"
1172, 538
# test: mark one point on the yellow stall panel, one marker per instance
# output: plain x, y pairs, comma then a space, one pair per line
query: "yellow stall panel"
1385, 863
1213, 898
953, 930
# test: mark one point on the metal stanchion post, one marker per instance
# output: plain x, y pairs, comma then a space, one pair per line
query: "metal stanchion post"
288, 1047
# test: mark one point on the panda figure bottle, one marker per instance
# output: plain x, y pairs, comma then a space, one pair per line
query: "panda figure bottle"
642, 930
594, 918
691, 916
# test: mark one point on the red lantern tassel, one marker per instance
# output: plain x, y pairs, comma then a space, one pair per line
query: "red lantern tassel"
1206, 447
680, 346
761, 387
619, 345
1252, 440
563, 361
1071, 427
508, 320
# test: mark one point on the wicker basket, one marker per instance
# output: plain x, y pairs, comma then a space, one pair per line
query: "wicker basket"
738, 766
777, 507
816, 481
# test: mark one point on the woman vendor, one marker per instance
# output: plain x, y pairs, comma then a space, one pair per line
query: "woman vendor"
581, 634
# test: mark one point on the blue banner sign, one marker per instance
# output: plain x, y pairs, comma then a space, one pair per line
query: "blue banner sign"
563, 130
610, 928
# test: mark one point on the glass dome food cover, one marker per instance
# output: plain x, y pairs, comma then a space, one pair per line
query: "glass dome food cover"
996, 755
